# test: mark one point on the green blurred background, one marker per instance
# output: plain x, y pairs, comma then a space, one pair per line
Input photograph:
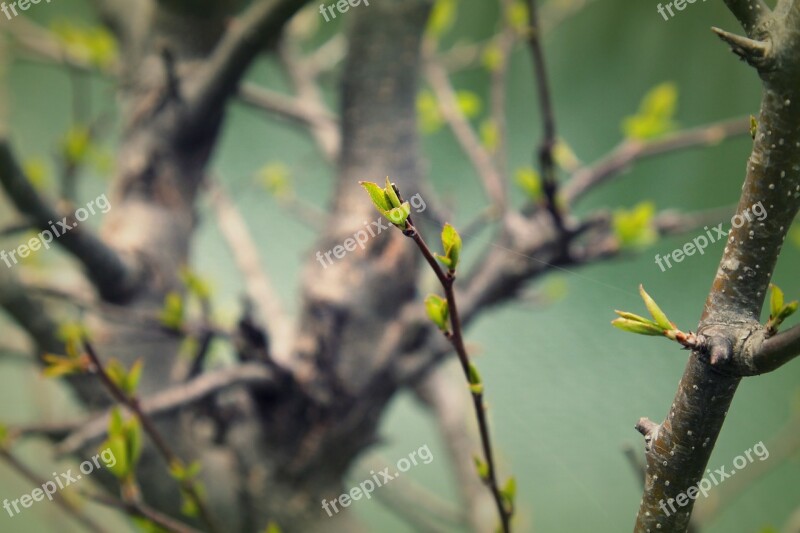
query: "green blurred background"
564, 387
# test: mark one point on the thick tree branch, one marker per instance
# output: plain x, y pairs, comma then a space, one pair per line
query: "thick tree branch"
749, 12
116, 277
243, 41
681, 447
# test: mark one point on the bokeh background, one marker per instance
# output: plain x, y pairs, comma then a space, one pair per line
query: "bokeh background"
564, 387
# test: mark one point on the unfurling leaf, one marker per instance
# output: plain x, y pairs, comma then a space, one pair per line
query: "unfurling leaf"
635, 227
656, 113
530, 182
387, 202
451, 244
753, 126
655, 311
173, 312
641, 328
378, 196
441, 18
437, 310
509, 493
481, 467
775, 300
778, 310
475, 383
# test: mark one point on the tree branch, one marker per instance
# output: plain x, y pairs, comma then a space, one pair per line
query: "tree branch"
95, 426
778, 350
116, 277
632, 151
243, 41
66, 504
547, 165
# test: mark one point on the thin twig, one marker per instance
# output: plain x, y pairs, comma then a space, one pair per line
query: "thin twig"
140, 509
480, 158
148, 425
164, 402
547, 165
59, 499
457, 340
631, 151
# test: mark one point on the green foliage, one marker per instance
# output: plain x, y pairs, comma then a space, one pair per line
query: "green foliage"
635, 227
451, 244
517, 17
442, 17
753, 127
72, 334
481, 467
659, 326
778, 310
173, 312
125, 442
95, 45
530, 182
37, 172
437, 310
272, 527
469, 103
276, 179
656, 114
509, 494
196, 285
76, 144
126, 381
475, 382
387, 202
492, 57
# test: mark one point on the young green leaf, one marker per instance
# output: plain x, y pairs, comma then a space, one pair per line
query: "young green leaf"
399, 215
378, 196
475, 383
656, 312
391, 194
481, 467
437, 310
451, 243
640, 328
775, 300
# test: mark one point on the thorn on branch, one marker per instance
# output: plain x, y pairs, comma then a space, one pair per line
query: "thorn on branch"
755, 53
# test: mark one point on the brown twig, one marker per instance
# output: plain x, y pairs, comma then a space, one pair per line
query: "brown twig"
547, 165
65, 504
132, 403
456, 338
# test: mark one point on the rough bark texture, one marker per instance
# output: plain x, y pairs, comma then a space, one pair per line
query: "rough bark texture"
678, 450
